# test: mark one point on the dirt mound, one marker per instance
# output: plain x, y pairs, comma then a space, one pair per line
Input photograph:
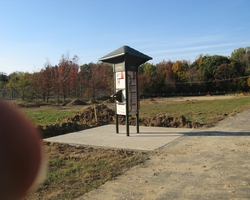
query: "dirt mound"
93, 116
100, 114
76, 102
97, 115
167, 121
52, 130
161, 121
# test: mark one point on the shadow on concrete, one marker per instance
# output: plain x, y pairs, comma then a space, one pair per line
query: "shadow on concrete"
153, 135
217, 133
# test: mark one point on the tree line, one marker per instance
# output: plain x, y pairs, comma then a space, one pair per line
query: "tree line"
59, 82
68, 79
206, 74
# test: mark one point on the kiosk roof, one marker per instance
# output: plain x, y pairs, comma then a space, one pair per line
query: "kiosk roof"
127, 54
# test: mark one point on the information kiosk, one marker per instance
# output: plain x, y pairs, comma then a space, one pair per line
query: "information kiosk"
126, 61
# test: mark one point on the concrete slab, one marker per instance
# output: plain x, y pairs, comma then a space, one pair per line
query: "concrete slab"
149, 138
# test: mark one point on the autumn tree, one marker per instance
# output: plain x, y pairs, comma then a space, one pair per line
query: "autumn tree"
245, 61
141, 80
209, 64
84, 76
98, 78
179, 69
64, 76
95, 80
86, 73
165, 77
193, 75
74, 77
107, 85
36, 85
48, 78
147, 79
20, 82
68, 79
224, 76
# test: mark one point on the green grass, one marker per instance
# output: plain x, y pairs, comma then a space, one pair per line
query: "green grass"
204, 112
45, 115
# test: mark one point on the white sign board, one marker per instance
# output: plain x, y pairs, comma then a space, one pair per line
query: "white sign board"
132, 93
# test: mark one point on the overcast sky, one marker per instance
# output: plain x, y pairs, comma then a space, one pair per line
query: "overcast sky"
35, 31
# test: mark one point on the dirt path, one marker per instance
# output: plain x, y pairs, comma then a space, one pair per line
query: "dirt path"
206, 164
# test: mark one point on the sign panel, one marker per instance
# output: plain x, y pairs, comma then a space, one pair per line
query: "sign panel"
132, 92
119, 67
120, 80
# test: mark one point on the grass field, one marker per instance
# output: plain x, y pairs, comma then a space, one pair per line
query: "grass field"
203, 111
48, 114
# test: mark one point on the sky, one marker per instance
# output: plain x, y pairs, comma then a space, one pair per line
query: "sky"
33, 32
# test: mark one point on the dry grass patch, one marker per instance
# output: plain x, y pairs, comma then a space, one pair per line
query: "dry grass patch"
75, 170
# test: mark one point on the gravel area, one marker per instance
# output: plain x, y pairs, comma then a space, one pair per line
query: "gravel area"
205, 164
